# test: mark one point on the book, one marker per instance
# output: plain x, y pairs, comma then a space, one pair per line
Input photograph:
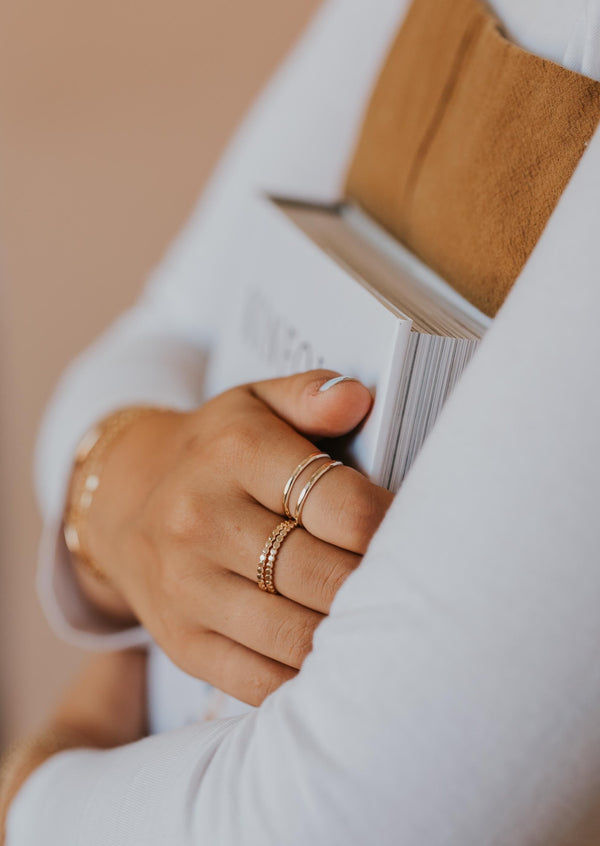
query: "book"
327, 287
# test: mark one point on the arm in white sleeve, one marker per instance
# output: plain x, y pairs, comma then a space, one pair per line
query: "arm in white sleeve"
298, 139
453, 695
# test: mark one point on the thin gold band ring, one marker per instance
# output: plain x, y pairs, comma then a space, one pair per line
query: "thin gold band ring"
292, 480
318, 474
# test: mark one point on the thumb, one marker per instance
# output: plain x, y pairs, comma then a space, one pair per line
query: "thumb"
319, 403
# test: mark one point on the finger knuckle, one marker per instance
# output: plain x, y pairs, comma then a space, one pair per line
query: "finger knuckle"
261, 685
181, 517
360, 513
238, 440
332, 580
293, 638
185, 648
171, 599
246, 680
172, 591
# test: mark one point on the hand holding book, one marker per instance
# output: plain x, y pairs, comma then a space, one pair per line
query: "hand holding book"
186, 504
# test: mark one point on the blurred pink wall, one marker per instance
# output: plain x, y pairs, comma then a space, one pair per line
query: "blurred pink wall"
111, 116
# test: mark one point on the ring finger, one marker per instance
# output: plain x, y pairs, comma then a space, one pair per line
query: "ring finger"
307, 570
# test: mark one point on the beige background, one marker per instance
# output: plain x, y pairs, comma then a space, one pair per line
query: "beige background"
111, 116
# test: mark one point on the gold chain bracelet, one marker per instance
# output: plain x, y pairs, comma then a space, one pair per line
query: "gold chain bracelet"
85, 478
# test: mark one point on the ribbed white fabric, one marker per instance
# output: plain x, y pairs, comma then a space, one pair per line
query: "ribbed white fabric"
453, 694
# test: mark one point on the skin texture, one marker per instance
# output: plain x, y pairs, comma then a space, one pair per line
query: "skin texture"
185, 505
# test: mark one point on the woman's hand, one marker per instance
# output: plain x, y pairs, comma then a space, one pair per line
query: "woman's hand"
185, 505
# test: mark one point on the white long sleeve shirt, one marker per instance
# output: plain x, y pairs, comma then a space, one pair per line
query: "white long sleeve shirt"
453, 694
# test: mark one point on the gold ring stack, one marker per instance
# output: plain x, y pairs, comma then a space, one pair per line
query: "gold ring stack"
268, 557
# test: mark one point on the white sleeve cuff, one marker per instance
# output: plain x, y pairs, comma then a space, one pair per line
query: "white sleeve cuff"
70, 614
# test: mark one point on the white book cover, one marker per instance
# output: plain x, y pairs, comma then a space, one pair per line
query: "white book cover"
293, 308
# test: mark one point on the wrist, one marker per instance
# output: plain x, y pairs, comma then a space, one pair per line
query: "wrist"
86, 474
109, 461
131, 469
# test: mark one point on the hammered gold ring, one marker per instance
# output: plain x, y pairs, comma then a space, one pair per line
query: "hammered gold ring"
268, 556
